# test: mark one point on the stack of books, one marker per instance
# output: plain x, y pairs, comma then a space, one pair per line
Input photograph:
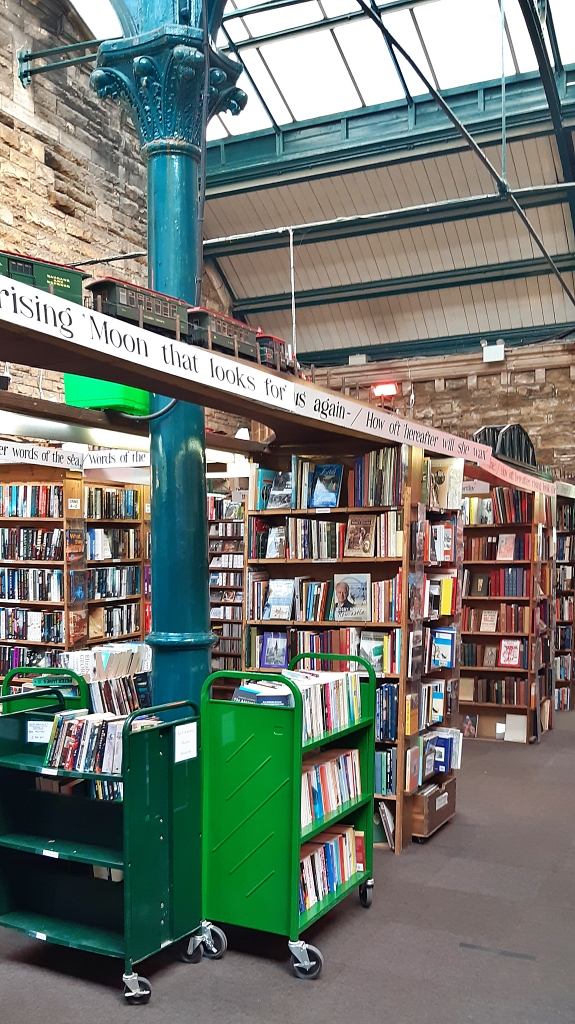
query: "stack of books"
386, 711
31, 584
37, 627
328, 862
111, 503
386, 772
32, 501
31, 545
104, 544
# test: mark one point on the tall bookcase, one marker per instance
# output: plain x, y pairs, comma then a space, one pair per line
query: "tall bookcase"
226, 567
114, 517
565, 598
507, 687
37, 550
315, 554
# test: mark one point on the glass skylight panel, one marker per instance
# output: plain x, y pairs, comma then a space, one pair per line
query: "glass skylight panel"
256, 66
369, 62
311, 75
252, 118
520, 37
564, 21
99, 17
333, 8
280, 18
236, 31
463, 40
215, 130
402, 28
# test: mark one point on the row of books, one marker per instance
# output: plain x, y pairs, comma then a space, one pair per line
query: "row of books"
15, 656
565, 577
110, 661
327, 863
507, 690
564, 637
37, 627
386, 712
233, 613
31, 584
509, 618
439, 541
31, 501
362, 536
385, 775
376, 480
347, 597
227, 561
275, 650
120, 696
563, 698
111, 503
566, 516
220, 594
230, 528
223, 662
435, 752
103, 544
439, 648
513, 581
226, 579
439, 594
386, 598
505, 547
116, 621
508, 654
331, 700
220, 507
107, 789
431, 704
564, 608
229, 646
328, 781
114, 581
505, 505
23, 544
85, 742
564, 666
566, 549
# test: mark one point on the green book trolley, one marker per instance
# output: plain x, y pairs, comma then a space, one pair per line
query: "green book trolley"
48, 676
252, 834
52, 845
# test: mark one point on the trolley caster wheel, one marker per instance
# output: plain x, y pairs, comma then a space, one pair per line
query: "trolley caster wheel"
214, 943
183, 951
312, 971
140, 995
366, 893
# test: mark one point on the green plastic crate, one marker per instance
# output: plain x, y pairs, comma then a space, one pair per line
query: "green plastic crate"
89, 393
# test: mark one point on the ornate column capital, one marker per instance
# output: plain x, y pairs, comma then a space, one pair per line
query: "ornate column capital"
159, 77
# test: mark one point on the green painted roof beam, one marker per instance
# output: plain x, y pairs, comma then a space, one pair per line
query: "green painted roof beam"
450, 345
386, 220
365, 137
459, 278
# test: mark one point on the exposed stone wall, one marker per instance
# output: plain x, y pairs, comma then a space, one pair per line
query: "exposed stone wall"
72, 182
533, 387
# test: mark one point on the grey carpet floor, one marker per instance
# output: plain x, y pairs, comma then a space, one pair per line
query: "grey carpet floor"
476, 925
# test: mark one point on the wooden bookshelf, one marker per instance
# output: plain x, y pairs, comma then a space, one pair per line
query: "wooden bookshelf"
519, 598
226, 543
325, 633
565, 599
115, 585
16, 529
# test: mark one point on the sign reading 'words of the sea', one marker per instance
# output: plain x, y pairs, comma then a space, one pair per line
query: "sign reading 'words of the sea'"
129, 346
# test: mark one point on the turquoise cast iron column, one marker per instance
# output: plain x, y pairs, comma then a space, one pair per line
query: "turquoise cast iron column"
158, 74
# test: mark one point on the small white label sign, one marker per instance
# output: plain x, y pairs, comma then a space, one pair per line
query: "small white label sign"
73, 503
48, 771
441, 801
38, 732
39, 935
50, 853
186, 741
148, 508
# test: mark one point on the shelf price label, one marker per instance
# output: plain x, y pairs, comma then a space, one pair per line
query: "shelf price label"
38, 732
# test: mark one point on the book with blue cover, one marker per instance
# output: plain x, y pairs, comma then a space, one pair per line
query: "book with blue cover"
326, 486
264, 483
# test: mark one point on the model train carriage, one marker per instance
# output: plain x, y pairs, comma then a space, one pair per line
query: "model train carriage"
47, 277
152, 310
273, 352
222, 333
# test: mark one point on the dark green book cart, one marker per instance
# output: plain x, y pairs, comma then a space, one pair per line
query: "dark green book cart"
252, 767
50, 843
49, 676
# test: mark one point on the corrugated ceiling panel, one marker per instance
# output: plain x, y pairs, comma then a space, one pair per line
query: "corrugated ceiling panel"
411, 183
488, 307
442, 247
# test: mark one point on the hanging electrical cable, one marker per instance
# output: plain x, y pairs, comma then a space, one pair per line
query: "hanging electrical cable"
502, 185
292, 285
503, 97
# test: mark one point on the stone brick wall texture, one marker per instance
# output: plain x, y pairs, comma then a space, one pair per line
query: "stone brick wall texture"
72, 183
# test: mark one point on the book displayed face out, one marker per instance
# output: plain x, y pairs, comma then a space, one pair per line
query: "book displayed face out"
352, 596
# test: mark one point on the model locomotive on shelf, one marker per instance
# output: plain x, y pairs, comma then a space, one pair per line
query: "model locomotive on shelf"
152, 311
